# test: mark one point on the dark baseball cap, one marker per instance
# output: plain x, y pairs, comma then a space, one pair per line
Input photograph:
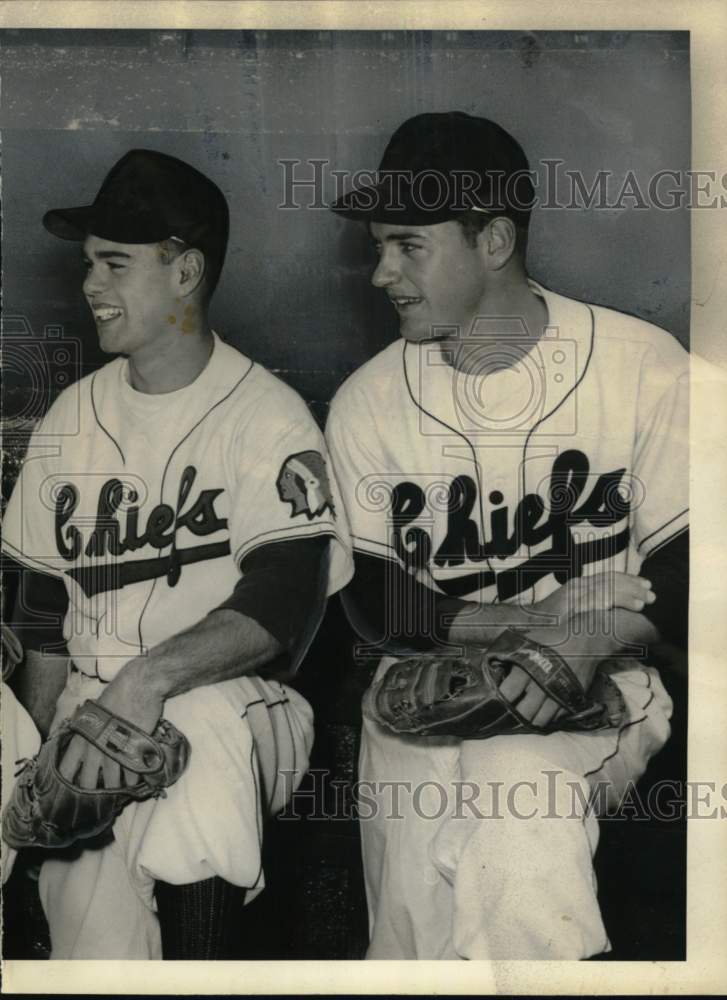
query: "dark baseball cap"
148, 197
440, 164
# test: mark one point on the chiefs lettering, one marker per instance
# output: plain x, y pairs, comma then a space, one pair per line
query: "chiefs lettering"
159, 532
529, 525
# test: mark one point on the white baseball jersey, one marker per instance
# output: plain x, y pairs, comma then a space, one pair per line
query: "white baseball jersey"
145, 505
500, 485
503, 484
147, 512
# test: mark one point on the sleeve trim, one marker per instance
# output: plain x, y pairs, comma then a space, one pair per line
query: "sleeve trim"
373, 548
669, 530
336, 581
282, 535
667, 541
31, 563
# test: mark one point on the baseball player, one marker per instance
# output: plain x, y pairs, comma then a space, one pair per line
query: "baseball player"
149, 518
516, 460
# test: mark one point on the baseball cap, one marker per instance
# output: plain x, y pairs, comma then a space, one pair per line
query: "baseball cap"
440, 164
147, 197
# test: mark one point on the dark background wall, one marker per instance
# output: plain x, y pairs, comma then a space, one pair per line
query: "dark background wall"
295, 295
295, 290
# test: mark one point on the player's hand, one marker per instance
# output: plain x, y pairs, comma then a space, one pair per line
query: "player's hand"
582, 652
599, 592
127, 697
84, 765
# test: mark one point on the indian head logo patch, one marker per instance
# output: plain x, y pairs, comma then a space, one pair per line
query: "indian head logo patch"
303, 483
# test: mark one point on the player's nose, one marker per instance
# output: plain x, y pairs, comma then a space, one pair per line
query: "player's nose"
386, 272
92, 283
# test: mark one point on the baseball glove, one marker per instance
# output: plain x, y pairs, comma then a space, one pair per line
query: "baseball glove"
47, 810
433, 696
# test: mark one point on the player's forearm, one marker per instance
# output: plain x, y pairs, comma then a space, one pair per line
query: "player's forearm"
598, 635
481, 624
631, 628
393, 610
222, 646
575, 609
618, 632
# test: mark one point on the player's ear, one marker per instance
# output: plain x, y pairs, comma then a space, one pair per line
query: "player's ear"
190, 270
500, 240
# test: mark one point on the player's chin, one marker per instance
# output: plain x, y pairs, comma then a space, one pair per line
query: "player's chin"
110, 341
420, 330
417, 333
421, 338
108, 345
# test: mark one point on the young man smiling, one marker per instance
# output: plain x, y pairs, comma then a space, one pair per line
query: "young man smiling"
132, 293
184, 581
517, 459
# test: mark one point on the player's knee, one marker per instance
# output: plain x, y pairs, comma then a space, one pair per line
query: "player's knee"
501, 757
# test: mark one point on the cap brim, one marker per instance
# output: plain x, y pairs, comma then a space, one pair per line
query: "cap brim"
69, 223
376, 204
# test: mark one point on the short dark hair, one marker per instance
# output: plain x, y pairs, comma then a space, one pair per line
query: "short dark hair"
473, 222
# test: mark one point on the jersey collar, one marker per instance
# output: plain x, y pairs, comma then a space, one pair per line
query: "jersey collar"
554, 367
111, 394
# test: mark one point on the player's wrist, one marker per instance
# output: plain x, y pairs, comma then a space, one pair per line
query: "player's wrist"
142, 675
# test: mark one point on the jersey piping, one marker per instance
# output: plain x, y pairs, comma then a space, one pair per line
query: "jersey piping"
225, 546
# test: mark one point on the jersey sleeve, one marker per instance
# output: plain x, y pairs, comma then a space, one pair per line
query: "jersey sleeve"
661, 462
284, 487
668, 570
361, 471
35, 604
28, 521
291, 574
